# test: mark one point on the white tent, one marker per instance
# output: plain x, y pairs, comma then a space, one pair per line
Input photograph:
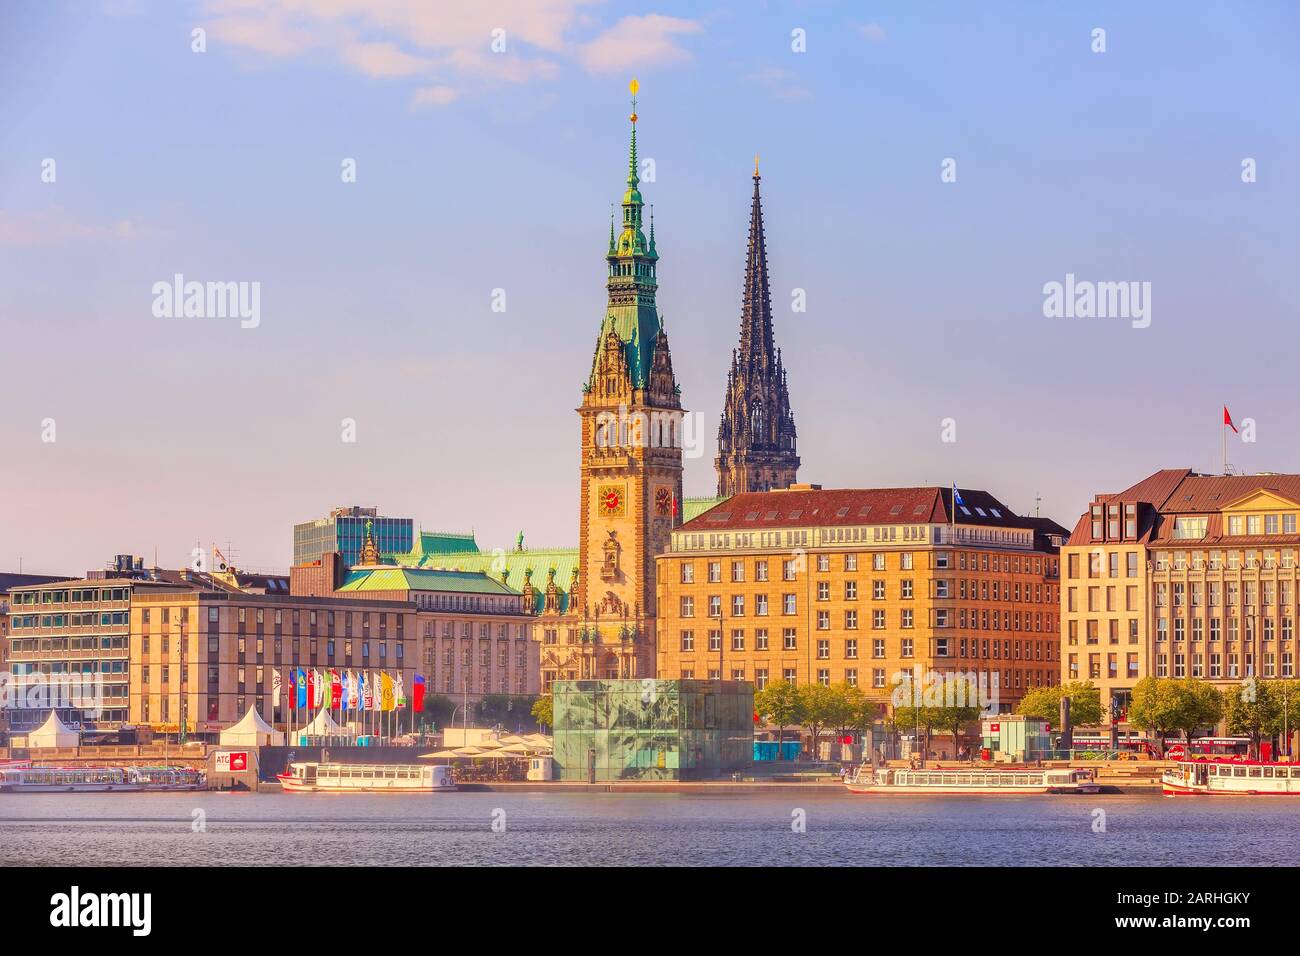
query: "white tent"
323, 725
251, 731
53, 733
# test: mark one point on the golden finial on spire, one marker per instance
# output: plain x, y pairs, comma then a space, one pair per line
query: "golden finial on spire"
756, 164
632, 88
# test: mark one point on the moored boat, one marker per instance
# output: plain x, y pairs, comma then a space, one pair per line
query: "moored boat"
982, 782
1231, 777
67, 780
310, 777
30, 779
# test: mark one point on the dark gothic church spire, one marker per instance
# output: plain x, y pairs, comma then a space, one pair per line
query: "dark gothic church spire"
756, 440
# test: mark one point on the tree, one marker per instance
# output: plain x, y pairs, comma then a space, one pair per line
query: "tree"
779, 703
1288, 694
1045, 703
1154, 707
953, 719
543, 712
438, 709
820, 707
909, 717
1197, 704
1255, 710
848, 712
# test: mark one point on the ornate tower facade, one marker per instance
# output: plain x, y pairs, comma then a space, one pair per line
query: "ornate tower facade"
756, 440
631, 475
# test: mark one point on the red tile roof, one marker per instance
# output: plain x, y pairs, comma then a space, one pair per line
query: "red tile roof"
1180, 491
799, 508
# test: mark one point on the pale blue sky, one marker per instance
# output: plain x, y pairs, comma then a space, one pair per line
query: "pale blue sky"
479, 171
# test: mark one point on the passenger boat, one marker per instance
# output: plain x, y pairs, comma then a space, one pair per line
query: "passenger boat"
308, 777
99, 779
170, 778
1241, 777
979, 782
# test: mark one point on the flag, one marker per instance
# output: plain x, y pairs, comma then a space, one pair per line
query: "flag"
336, 690
322, 688
368, 700
293, 687
311, 688
399, 692
275, 687
302, 688
1227, 420
418, 693
386, 692
352, 690
957, 499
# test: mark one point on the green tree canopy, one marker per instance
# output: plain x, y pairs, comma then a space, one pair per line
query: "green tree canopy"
780, 703
542, 711
1254, 709
1045, 703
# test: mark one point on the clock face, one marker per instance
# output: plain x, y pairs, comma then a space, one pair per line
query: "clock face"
610, 500
663, 502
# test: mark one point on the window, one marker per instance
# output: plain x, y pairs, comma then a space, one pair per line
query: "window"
789, 641
688, 641
688, 572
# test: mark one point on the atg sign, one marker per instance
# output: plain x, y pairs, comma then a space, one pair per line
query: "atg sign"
231, 761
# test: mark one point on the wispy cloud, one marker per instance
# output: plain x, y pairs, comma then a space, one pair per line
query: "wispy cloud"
435, 96
453, 47
872, 31
52, 226
781, 83
649, 40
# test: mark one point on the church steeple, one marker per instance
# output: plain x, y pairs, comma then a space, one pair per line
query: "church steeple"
756, 439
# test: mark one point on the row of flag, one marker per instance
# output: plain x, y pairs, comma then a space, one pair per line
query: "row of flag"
345, 690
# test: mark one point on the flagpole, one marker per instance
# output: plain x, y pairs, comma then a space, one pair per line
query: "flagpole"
1223, 434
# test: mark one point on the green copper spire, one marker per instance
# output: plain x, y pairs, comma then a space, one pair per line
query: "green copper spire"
631, 312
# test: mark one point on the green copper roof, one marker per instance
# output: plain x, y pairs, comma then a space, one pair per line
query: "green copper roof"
694, 507
513, 568
421, 579
426, 541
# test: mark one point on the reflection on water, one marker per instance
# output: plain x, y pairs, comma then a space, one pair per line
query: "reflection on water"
642, 829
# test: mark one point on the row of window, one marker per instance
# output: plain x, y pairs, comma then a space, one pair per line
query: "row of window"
944, 646
879, 677
1231, 666
879, 561
72, 596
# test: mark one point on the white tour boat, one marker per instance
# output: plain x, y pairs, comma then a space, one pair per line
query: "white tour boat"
308, 777
1241, 777
962, 781
98, 779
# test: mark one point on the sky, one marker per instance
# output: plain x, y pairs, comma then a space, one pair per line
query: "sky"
485, 176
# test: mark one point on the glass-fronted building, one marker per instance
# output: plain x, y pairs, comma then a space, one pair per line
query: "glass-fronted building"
651, 729
345, 531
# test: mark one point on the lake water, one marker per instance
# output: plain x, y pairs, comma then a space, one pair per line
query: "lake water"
276, 829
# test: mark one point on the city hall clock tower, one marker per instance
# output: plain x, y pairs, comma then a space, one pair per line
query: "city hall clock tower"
631, 484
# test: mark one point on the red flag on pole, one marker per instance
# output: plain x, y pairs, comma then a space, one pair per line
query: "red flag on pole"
1227, 420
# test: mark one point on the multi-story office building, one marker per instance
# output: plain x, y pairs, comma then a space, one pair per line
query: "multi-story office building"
344, 530
475, 633
861, 585
1182, 575
72, 638
9, 581
186, 654
199, 659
